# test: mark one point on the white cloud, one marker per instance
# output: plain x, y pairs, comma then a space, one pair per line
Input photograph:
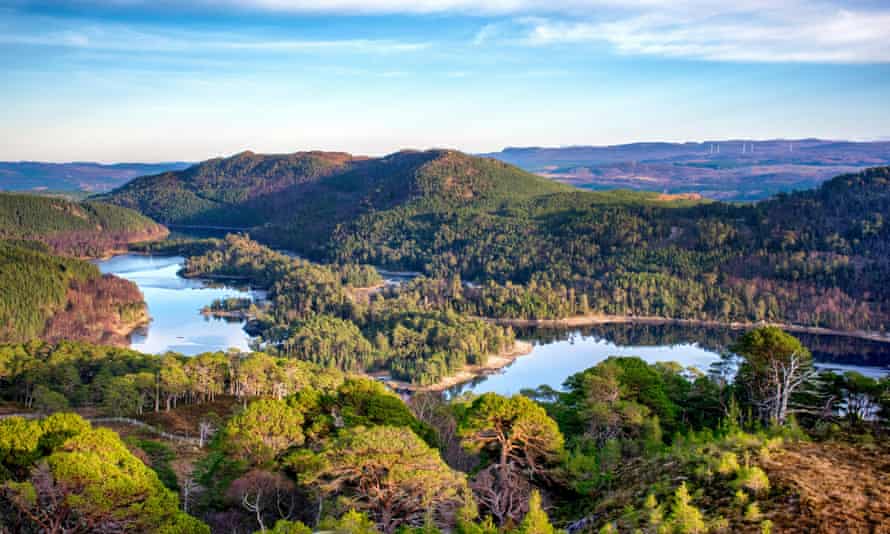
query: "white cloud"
125, 38
828, 31
825, 31
485, 34
823, 34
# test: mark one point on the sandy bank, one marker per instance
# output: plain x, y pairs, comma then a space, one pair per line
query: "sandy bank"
494, 363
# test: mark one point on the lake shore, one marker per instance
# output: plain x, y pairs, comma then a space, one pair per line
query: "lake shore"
598, 319
122, 331
494, 363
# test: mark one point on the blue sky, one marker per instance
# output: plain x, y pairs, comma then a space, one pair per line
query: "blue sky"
140, 80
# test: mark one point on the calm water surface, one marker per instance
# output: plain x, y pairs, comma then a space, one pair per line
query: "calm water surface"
174, 304
560, 354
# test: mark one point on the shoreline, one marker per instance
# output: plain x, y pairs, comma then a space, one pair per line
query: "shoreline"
124, 330
494, 363
598, 319
117, 251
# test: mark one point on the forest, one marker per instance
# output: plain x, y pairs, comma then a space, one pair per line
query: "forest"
543, 250
50, 297
341, 316
86, 229
291, 446
302, 433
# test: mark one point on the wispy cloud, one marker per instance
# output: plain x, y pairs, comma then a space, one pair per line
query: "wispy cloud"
829, 31
824, 31
823, 35
485, 34
116, 37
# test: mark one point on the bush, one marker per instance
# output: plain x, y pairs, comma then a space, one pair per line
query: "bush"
49, 401
753, 479
752, 512
728, 464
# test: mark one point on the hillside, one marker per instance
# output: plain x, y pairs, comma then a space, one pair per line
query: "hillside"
815, 258
85, 229
315, 191
736, 169
38, 176
49, 297
812, 258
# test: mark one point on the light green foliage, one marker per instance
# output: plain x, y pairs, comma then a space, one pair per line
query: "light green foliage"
92, 479
752, 512
766, 527
385, 471
264, 430
283, 526
655, 511
330, 342
365, 402
684, 517
753, 479
513, 429
536, 520
18, 440
58, 427
352, 522
728, 464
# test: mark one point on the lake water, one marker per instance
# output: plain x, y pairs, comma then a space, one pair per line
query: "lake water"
560, 354
175, 303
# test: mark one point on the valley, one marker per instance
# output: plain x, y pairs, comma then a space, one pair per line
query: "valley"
389, 315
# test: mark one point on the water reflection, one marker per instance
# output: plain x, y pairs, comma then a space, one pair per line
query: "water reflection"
175, 304
560, 353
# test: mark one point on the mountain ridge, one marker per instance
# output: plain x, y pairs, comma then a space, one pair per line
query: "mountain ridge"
728, 169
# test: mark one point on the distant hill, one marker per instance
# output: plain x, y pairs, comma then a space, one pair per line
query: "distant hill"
83, 229
297, 200
38, 176
725, 170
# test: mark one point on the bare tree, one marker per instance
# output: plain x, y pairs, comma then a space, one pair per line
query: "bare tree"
264, 494
774, 366
504, 493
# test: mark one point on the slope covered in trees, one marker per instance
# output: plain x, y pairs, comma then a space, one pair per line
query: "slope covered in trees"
314, 314
539, 249
303, 196
625, 446
85, 229
43, 296
813, 258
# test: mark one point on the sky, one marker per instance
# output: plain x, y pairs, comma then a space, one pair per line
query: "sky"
185, 80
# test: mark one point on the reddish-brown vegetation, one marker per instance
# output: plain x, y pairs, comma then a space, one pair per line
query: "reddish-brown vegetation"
834, 487
100, 310
94, 244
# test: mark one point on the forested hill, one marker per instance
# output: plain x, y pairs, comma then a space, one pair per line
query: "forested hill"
85, 229
53, 298
314, 191
816, 258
